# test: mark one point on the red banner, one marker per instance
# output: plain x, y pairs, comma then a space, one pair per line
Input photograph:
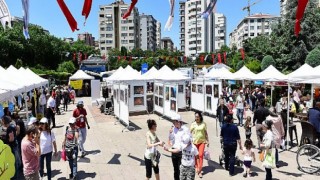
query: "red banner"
302, 4
202, 59
242, 53
185, 59
125, 57
219, 58
225, 57
74, 56
130, 59
212, 57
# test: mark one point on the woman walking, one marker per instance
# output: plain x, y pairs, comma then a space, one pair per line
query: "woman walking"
152, 155
47, 144
267, 145
200, 137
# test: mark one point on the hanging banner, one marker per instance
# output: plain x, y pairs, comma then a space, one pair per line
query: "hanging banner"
1, 111
144, 68
76, 84
231, 82
11, 107
258, 82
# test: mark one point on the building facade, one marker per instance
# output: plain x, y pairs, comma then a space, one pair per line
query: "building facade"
148, 32
283, 4
158, 35
116, 32
167, 43
199, 35
250, 27
87, 38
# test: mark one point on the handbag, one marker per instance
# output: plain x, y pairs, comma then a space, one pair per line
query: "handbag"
64, 154
69, 152
207, 155
269, 160
262, 156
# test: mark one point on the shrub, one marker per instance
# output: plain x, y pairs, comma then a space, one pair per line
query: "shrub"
66, 66
254, 66
267, 61
313, 58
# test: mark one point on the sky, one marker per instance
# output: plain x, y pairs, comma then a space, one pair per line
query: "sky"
47, 14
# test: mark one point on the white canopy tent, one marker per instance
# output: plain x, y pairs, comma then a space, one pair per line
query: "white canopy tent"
243, 74
14, 76
221, 73
4, 95
115, 75
270, 74
302, 73
80, 75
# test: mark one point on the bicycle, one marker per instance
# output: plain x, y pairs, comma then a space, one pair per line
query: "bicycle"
308, 158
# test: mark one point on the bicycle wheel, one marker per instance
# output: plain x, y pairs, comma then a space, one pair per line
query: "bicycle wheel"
308, 158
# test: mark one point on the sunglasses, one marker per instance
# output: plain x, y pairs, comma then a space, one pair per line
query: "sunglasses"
41, 123
71, 124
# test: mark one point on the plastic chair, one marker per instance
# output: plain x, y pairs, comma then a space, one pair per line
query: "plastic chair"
309, 132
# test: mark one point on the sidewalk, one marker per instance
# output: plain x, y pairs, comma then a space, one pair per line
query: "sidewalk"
114, 155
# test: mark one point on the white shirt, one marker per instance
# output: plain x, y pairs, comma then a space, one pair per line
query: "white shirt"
42, 100
188, 155
240, 102
247, 155
51, 102
296, 96
46, 141
176, 135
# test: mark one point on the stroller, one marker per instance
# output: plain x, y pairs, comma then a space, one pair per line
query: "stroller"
238, 162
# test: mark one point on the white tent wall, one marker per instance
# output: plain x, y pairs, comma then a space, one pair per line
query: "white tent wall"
157, 107
138, 96
116, 104
212, 91
123, 102
95, 90
182, 95
197, 97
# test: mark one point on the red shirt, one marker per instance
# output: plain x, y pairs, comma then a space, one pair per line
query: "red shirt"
80, 122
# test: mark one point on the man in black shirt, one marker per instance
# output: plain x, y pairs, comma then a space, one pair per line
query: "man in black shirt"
258, 117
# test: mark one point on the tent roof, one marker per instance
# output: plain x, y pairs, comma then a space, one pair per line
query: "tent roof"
4, 95
41, 81
218, 66
304, 72
80, 75
271, 74
243, 74
151, 74
222, 73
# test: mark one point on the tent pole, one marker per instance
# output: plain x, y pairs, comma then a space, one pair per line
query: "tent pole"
311, 104
288, 111
271, 95
243, 85
26, 102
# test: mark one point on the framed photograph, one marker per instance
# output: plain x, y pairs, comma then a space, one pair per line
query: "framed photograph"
161, 90
138, 90
138, 101
161, 102
150, 87
126, 96
167, 93
115, 94
156, 100
156, 90
209, 89
118, 95
173, 92
209, 104
173, 105
121, 95
180, 88
194, 88
129, 92
216, 91
200, 90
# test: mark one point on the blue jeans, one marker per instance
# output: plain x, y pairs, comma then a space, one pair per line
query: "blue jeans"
229, 157
240, 115
73, 162
48, 158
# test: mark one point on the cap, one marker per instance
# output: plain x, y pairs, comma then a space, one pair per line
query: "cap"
230, 99
80, 103
44, 120
72, 120
176, 117
32, 120
241, 91
186, 139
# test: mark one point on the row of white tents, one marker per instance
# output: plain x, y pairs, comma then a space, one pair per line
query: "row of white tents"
14, 82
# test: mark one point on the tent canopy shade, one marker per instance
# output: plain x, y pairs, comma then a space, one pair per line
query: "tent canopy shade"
80, 75
243, 74
270, 74
221, 73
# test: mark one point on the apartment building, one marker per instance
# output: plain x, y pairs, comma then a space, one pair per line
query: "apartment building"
250, 27
116, 32
148, 32
158, 33
167, 43
87, 38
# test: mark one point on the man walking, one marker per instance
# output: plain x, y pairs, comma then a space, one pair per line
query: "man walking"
51, 105
258, 117
175, 136
240, 107
222, 112
80, 114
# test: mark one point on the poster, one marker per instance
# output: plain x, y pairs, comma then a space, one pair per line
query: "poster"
216, 91
150, 87
200, 90
173, 92
76, 84
209, 103
194, 88
138, 90
126, 96
129, 92
161, 102
209, 89
156, 90
180, 88
167, 93
156, 100
173, 105
161, 90
115, 94
121, 95
138, 101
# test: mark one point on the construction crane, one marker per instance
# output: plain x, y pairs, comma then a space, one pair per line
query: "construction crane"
248, 8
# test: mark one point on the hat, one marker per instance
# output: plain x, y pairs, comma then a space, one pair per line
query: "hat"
241, 91
44, 120
230, 99
177, 118
80, 103
186, 139
32, 120
72, 120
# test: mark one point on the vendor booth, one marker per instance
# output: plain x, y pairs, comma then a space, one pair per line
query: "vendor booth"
81, 82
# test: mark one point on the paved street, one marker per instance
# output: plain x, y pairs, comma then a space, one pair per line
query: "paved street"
119, 156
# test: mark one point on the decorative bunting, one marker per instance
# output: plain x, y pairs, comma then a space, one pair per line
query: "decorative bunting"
242, 53
302, 4
202, 59
128, 13
170, 19
219, 58
185, 59
225, 57
72, 22
209, 9
212, 57
86, 9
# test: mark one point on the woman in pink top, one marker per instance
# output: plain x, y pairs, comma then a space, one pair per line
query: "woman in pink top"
277, 130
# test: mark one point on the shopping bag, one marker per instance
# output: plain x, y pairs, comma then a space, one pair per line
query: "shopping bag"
63, 155
207, 155
269, 160
261, 156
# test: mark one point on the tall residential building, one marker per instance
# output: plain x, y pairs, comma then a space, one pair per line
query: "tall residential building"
283, 4
69, 40
87, 38
148, 32
199, 35
116, 32
250, 27
158, 35
167, 43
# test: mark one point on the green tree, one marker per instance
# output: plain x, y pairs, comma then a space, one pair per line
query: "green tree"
254, 66
313, 58
240, 64
267, 61
18, 64
66, 66
124, 51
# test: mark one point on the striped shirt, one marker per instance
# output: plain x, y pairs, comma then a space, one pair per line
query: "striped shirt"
70, 137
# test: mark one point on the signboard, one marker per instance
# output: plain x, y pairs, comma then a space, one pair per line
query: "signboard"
144, 68
258, 82
76, 84
232, 82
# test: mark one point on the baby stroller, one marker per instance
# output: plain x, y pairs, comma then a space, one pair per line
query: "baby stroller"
221, 157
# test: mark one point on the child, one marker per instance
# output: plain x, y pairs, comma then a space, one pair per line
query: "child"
189, 155
230, 106
248, 157
247, 127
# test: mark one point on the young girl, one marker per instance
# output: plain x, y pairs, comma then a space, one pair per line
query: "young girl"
230, 106
247, 127
248, 157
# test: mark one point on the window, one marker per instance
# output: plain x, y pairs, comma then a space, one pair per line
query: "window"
108, 35
251, 27
103, 48
124, 34
251, 34
124, 21
131, 34
124, 41
102, 35
102, 29
109, 29
108, 7
259, 27
109, 48
259, 20
131, 41
131, 28
266, 27
108, 15
109, 41
124, 28
251, 20
101, 15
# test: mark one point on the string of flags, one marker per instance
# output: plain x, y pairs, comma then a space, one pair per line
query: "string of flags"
302, 4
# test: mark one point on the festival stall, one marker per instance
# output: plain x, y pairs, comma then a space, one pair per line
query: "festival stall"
81, 82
